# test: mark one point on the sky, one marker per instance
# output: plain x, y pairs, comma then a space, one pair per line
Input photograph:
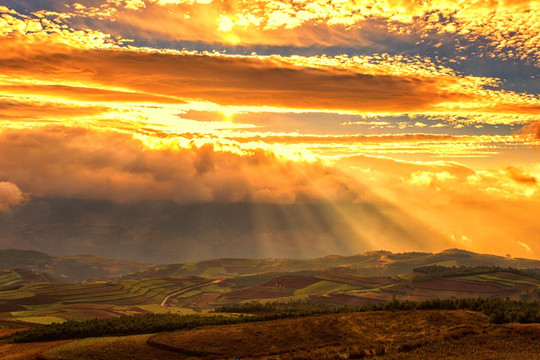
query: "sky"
430, 106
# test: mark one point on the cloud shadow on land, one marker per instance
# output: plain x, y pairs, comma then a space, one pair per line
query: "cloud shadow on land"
165, 231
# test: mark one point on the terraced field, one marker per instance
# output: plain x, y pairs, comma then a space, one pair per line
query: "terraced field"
56, 302
346, 288
12, 279
45, 302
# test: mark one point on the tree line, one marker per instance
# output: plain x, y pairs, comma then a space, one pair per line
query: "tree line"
498, 310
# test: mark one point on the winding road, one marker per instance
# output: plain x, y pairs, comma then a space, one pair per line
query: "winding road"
164, 302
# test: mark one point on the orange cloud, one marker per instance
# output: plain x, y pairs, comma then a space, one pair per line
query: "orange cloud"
519, 176
83, 163
510, 28
27, 109
533, 128
10, 195
244, 81
241, 81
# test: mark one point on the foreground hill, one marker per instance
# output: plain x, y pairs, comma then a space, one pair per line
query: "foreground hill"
67, 268
428, 334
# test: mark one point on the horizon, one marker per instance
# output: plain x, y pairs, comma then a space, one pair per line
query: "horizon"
328, 256
182, 129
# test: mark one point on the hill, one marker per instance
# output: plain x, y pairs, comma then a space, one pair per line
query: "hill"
34, 296
67, 268
377, 263
13, 279
427, 334
46, 302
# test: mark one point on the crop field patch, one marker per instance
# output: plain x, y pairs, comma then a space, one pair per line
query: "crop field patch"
358, 280
44, 320
346, 299
324, 287
453, 285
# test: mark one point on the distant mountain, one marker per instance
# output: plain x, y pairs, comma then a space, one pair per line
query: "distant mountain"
65, 268
379, 263
167, 232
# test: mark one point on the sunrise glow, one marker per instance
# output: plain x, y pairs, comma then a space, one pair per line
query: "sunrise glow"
430, 111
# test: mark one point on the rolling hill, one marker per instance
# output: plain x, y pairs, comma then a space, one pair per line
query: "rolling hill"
372, 277
377, 263
70, 269
428, 334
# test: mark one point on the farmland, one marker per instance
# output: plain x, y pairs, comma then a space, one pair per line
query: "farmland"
54, 302
34, 297
327, 308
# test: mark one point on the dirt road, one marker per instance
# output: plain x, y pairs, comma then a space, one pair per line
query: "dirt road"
164, 302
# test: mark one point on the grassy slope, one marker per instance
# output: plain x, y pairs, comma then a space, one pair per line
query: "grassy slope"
110, 348
383, 335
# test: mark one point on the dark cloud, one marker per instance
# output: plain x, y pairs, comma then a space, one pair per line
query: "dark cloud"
30, 110
533, 128
241, 81
519, 176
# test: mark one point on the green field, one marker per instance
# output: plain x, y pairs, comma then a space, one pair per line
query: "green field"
324, 287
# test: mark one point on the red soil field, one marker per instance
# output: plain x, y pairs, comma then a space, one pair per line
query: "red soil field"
291, 281
452, 285
344, 299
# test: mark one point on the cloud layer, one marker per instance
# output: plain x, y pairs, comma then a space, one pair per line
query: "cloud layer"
432, 108
84, 163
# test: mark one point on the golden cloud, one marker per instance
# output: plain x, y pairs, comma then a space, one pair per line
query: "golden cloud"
137, 75
10, 195
83, 163
509, 29
533, 128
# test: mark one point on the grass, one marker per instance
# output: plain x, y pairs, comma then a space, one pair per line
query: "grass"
366, 331
133, 347
508, 342
324, 287
26, 351
407, 334
44, 320
213, 271
498, 280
